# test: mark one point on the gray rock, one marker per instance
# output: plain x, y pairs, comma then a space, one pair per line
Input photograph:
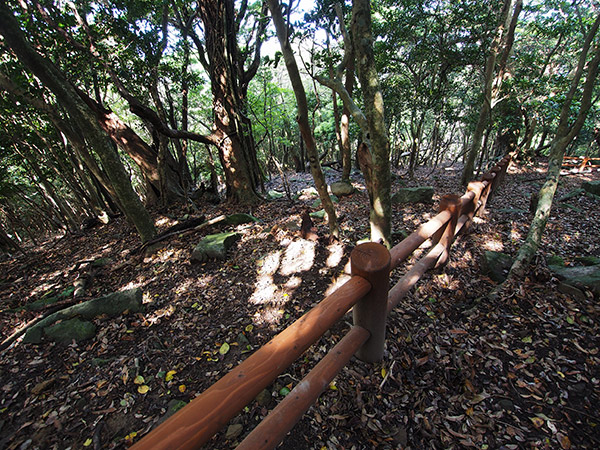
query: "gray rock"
264, 398
421, 194
593, 187
341, 188
583, 277
233, 431
240, 218
67, 330
214, 246
101, 262
496, 265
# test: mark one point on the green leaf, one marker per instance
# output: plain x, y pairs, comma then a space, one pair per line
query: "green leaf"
224, 348
526, 340
284, 391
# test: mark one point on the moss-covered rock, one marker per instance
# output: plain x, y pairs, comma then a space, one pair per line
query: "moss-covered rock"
240, 218
214, 246
496, 265
69, 330
593, 187
421, 194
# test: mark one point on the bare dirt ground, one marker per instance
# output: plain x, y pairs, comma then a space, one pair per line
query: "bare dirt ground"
461, 370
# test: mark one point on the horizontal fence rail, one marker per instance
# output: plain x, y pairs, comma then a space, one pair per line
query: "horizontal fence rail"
371, 300
580, 163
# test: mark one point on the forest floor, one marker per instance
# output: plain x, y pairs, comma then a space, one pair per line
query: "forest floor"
461, 370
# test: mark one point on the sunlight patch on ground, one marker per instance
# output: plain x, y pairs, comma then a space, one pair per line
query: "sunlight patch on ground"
494, 244
515, 235
299, 257
264, 288
162, 221
293, 283
336, 253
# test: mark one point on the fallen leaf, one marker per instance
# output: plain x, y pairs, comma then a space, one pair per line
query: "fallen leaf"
564, 441
87, 442
143, 389
139, 380
169, 375
537, 422
224, 348
182, 388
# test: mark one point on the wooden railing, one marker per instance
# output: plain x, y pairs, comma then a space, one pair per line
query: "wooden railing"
580, 162
367, 293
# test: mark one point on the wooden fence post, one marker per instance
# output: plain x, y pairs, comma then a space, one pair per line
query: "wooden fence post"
445, 235
489, 177
372, 262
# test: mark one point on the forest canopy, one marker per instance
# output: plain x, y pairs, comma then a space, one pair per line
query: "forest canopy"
121, 106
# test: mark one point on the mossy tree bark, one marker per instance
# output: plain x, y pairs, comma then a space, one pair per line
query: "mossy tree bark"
381, 210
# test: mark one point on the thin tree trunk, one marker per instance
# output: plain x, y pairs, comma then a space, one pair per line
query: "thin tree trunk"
565, 133
303, 123
491, 85
381, 210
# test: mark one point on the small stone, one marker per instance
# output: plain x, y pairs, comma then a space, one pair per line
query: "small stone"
318, 214
214, 246
496, 265
593, 187
274, 195
242, 339
341, 188
264, 398
233, 431
240, 218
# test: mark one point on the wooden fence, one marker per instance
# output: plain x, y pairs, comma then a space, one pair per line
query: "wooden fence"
580, 163
370, 298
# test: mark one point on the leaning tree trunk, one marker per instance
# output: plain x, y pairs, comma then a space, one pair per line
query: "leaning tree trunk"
565, 133
67, 96
381, 210
303, 123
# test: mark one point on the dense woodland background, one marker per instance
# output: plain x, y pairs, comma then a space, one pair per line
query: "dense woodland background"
183, 95
123, 119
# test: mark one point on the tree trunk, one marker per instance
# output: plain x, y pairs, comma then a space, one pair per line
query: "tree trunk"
67, 96
566, 131
236, 147
381, 211
345, 124
491, 86
303, 123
